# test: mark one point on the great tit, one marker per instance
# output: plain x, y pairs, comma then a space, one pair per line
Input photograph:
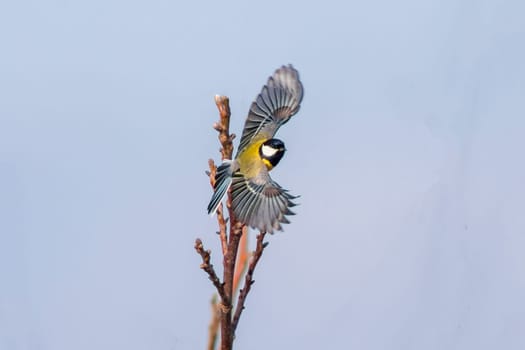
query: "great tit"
257, 200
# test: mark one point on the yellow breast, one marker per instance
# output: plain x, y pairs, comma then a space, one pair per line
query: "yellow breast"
250, 161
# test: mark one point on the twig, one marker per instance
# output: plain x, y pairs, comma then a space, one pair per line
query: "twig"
248, 279
242, 260
223, 126
208, 268
213, 328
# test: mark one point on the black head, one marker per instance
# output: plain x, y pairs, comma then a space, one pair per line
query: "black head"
272, 150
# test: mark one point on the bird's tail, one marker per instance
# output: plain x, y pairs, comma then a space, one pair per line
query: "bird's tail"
223, 180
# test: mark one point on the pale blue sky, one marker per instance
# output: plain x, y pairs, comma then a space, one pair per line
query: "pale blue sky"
407, 154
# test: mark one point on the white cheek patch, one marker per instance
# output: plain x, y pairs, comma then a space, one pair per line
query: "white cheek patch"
268, 151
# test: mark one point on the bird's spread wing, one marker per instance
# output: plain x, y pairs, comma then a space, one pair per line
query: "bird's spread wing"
260, 202
279, 99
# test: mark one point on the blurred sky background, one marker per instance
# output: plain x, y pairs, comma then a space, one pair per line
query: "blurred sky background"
407, 154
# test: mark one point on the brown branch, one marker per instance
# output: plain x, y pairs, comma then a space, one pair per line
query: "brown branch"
223, 126
229, 244
242, 259
213, 328
240, 267
208, 268
229, 272
248, 279
233, 265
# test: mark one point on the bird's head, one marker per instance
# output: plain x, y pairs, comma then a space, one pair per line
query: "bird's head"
271, 151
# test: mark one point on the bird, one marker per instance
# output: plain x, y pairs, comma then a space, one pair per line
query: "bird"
257, 200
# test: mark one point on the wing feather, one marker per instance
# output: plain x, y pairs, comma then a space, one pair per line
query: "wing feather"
260, 203
278, 100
